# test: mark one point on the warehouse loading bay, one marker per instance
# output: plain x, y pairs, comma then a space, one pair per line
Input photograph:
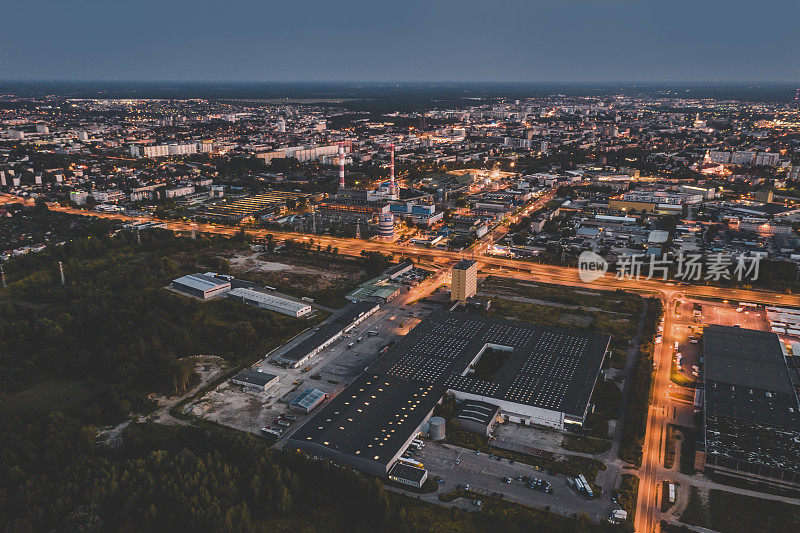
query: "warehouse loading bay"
328, 371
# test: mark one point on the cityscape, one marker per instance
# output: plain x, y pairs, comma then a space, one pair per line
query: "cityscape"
327, 296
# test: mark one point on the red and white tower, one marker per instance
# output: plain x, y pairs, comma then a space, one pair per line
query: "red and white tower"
392, 186
341, 165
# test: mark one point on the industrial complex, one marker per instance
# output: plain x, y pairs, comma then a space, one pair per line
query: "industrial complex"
542, 376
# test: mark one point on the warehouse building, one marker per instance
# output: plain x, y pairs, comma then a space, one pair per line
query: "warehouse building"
370, 423
202, 286
326, 333
752, 415
270, 301
255, 380
544, 376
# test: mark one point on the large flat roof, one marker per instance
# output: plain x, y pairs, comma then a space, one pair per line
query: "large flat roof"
550, 368
202, 282
745, 357
752, 416
254, 377
372, 417
290, 305
380, 410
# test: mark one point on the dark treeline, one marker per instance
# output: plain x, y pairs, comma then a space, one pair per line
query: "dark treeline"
114, 326
633, 430
209, 479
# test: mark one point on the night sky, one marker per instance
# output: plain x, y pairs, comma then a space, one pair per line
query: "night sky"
405, 40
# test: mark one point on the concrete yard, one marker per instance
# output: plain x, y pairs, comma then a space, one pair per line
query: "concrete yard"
485, 475
329, 371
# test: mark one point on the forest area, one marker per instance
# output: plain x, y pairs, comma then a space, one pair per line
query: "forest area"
205, 478
113, 332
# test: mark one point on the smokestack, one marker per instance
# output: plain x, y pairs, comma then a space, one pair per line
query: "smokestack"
341, 165
61, 270
391, 172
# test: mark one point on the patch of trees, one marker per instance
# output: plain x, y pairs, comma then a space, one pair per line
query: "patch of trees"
375, 262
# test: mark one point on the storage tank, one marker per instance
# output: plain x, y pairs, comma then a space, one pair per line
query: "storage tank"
436, 428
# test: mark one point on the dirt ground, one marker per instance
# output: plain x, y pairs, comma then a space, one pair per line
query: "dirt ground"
292, 272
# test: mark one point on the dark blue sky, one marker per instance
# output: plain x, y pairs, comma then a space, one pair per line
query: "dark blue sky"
403, 40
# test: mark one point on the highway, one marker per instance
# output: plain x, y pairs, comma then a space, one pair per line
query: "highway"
647, 504
562, 275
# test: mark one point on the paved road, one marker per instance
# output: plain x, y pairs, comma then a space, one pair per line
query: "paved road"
522, 269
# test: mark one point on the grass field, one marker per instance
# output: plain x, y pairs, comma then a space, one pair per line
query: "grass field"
69, 396
614, 313
727, 512
594, 445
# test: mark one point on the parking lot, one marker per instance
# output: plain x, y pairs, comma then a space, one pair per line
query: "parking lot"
459, 466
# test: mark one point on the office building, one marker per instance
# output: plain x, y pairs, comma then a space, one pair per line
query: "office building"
464, 280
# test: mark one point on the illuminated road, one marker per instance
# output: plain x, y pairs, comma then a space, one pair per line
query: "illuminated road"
509, 267
647, 504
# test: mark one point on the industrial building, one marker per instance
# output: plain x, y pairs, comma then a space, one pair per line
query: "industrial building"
265, 204
255, 380
546, 377
464, 282
270, 301
327, 332
202, 286
370, 423
751, 426
399, 269
308, 400
477, 417
408, 474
